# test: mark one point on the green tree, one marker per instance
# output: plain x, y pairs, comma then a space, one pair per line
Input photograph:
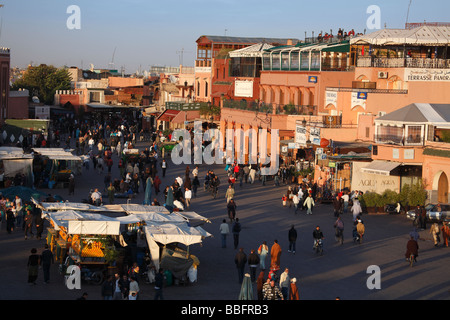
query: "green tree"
43, 81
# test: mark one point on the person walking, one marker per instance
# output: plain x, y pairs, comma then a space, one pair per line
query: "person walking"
108, 288
293, 290
224, 231
33, 266
231, 208
336, 206
445, 233
229, 194
117, 290
356, 209
28, 224
273, 292
240, 260
134, 289
292, 237
285, 281
10, 219
275, 255
263, 250
339, 230
46, 262
164, 167
434, 231
71, 184
259, 285
187, 197
309, 204
159, 281
111, 191
236, 230
253, 263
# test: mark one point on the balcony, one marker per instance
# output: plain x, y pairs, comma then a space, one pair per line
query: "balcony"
384, 62
399, 140
271, 108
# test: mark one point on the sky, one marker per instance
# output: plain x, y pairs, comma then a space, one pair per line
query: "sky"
138, 34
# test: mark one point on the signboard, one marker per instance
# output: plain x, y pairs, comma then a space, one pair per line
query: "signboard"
314, 136
312, 79
362, 95
243, 89
427, 75
331, 98
408, 154
202, 70
364, 181
300, 135
357, 101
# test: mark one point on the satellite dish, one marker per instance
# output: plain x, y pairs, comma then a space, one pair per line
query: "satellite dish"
35, 99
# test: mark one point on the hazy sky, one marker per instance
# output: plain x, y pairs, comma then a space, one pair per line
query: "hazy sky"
148, 32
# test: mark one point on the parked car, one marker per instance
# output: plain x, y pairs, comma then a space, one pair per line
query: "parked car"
439, 215
411, 214
432, 213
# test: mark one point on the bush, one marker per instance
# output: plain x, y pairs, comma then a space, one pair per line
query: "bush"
413, 195
371, 199
390, 196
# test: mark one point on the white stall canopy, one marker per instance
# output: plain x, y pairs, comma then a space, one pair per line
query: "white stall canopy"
94, 227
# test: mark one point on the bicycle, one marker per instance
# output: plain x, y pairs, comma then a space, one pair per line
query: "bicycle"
340, 235
412, 259
318, 246
214, 191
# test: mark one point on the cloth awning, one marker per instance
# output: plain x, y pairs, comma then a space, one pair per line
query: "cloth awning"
383, 168
56, 154
168, 115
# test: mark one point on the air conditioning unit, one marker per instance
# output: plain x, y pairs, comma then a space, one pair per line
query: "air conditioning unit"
382, 75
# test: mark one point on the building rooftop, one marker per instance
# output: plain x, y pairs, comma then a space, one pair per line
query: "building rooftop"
419, 113
424, 35
249, 40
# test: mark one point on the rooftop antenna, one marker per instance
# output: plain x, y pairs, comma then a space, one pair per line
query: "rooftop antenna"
407, 14
1, 21
111, 64
225, 32
181, 53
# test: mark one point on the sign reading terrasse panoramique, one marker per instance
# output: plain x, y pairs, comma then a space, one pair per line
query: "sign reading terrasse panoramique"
427, 75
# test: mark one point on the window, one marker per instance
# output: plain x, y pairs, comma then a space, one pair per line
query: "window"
275, 61
414, 134
315, 60
304, 62
266, 61
285, 61
367, 132
390, 134
295, 65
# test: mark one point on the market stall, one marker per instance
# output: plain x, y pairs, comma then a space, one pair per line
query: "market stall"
76, 226
16, 167
56, 165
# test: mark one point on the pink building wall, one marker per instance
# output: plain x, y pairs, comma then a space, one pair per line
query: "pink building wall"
119, 82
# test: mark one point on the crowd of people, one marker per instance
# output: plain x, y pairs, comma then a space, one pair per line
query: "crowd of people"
101, 145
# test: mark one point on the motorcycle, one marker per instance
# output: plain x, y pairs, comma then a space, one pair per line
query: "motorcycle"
394, 208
